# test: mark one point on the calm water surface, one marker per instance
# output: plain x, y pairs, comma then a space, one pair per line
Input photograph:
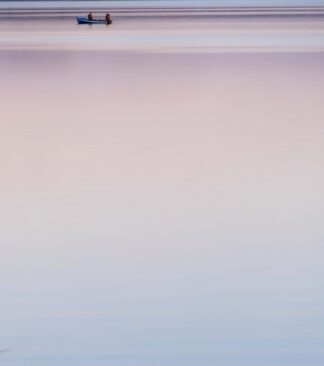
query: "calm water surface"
161, 200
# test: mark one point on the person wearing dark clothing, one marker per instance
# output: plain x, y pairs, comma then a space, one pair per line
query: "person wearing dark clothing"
108, 18
90, 17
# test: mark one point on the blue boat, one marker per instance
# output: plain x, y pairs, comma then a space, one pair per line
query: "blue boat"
84, 20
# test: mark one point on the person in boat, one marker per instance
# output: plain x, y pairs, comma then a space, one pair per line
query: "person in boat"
90, 16
108, 18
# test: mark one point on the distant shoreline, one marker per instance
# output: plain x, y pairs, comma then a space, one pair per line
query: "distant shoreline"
217, 12
218, 9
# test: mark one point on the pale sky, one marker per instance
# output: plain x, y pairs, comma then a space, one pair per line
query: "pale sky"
221, 2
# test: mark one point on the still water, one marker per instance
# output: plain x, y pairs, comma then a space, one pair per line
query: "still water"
161, 200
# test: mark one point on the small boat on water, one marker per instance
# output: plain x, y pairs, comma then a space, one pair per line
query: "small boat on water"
84, 20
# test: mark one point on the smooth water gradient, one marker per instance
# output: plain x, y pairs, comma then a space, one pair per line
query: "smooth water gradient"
168, 30
161, 197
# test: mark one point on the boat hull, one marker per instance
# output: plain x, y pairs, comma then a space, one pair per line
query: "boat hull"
83, 20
